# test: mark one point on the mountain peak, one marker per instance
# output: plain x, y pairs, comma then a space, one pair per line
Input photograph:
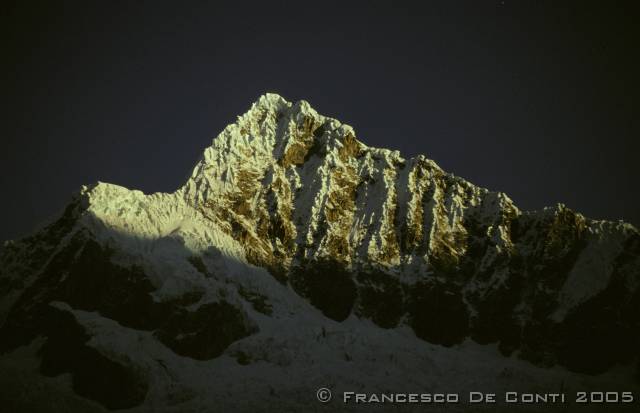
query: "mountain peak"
269, 101
292, 246
295, 118
275, 132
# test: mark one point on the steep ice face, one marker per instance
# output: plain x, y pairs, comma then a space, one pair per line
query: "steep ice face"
293, 247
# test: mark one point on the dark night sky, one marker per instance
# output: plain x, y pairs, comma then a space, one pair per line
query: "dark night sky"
531, 98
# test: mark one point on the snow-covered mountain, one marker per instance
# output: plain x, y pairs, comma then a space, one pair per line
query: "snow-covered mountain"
296, 257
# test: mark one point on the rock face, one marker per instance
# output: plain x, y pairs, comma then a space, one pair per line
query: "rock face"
288, 230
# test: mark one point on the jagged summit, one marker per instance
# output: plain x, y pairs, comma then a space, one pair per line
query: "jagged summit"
297, 250
283, 165
270, 109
